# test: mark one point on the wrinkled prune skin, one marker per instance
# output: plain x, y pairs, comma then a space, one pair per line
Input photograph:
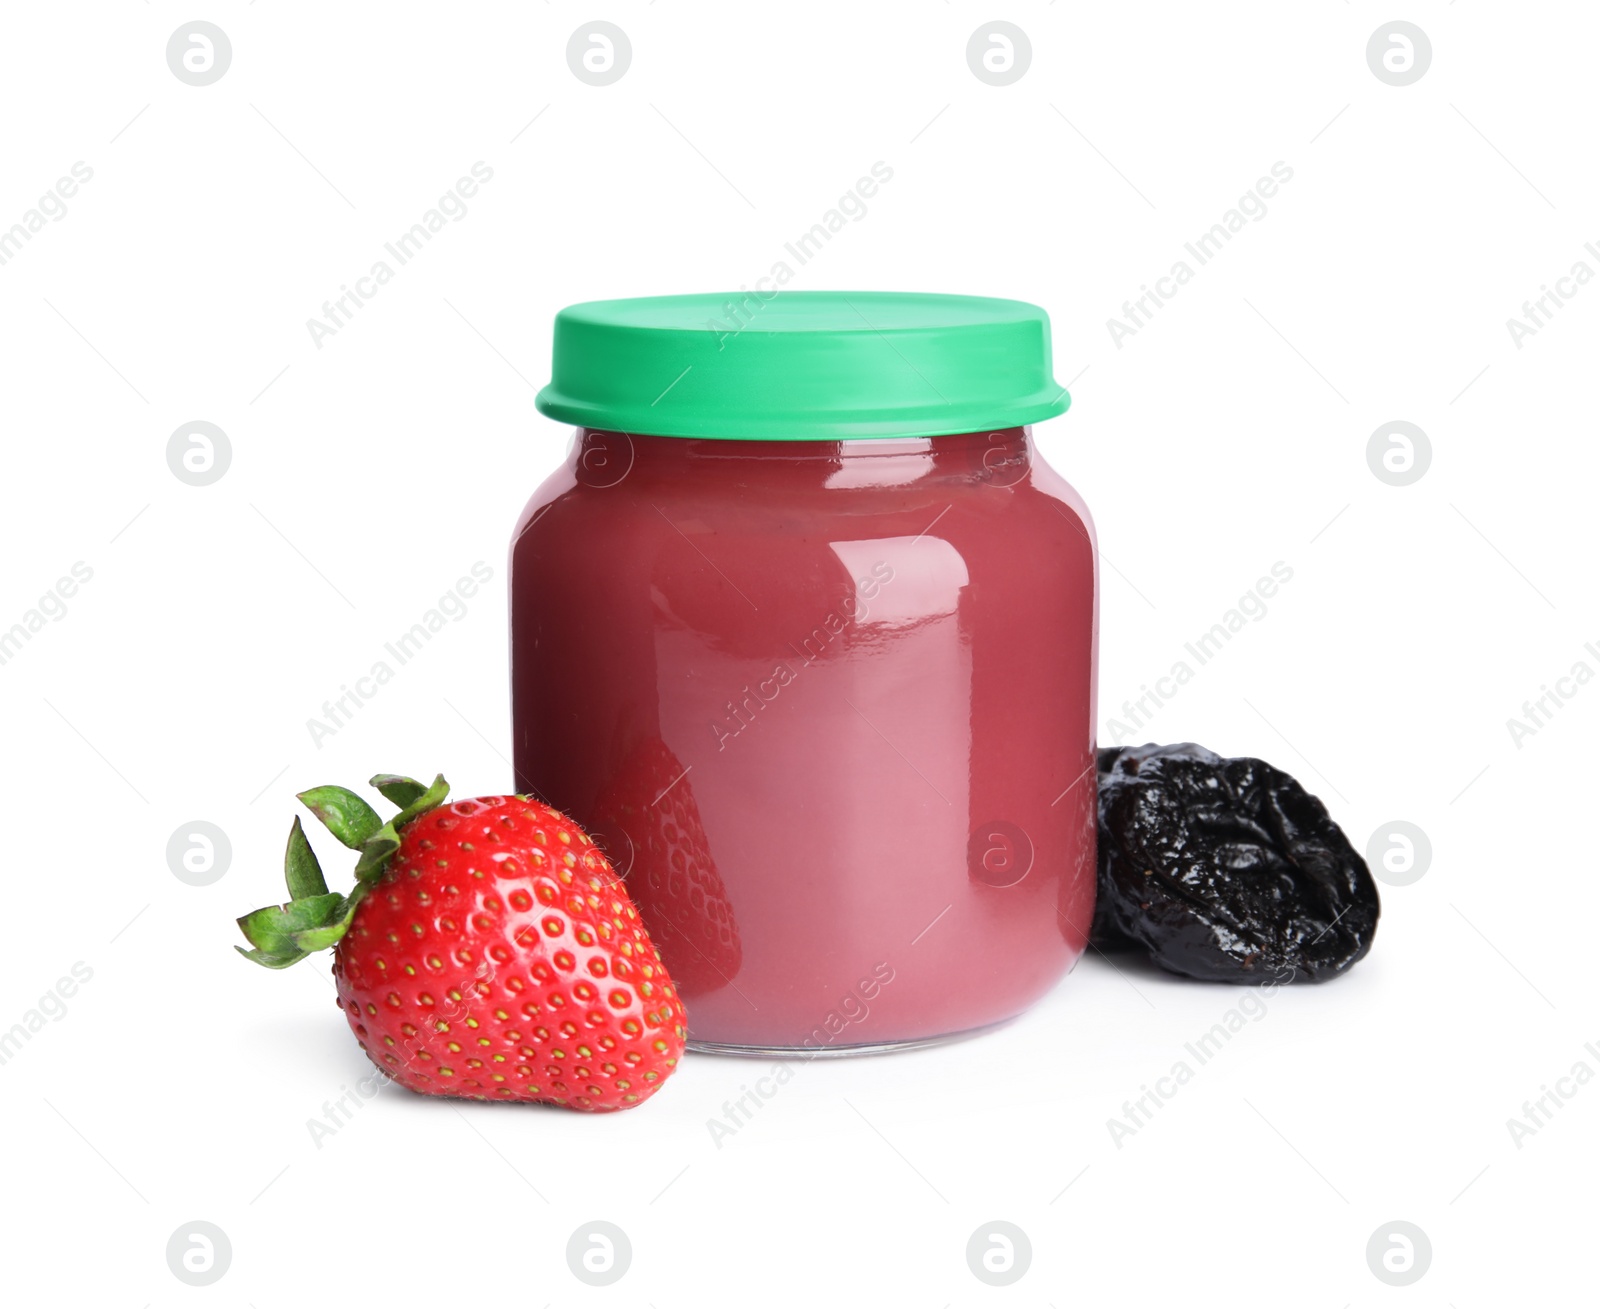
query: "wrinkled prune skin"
1226, 870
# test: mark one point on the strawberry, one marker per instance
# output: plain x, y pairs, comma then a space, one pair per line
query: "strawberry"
487, 951
648, 818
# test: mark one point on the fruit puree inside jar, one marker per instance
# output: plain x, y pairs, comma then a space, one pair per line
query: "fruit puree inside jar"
828, 706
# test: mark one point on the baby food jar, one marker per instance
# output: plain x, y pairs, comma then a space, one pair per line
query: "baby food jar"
804, 633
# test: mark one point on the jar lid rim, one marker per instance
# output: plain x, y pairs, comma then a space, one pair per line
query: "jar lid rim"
802, 365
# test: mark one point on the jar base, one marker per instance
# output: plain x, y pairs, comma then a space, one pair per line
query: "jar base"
808, 1052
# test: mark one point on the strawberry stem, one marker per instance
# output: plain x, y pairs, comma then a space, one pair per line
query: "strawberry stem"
314, 918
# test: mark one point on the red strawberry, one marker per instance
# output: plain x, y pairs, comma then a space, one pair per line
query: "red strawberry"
488, 951
648, 820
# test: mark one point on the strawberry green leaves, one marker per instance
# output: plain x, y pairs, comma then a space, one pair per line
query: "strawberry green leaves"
344, 813
430, 797
300, 867
315, 918
286, 934
399, 790
419, 799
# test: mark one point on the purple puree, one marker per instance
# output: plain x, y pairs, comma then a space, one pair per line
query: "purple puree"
829, 707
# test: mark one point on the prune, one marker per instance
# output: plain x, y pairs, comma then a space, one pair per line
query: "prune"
1226, 869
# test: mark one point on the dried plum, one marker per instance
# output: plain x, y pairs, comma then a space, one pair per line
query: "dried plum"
1226, 869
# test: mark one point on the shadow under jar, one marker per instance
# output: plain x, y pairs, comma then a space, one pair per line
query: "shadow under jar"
807, 641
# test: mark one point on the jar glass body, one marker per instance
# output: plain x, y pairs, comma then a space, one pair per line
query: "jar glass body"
829, 708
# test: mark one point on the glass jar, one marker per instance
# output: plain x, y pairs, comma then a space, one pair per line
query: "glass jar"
814, 659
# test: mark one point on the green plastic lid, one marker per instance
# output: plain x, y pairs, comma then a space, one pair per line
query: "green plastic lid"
802, 365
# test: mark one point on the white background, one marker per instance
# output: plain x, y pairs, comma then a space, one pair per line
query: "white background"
369, 474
